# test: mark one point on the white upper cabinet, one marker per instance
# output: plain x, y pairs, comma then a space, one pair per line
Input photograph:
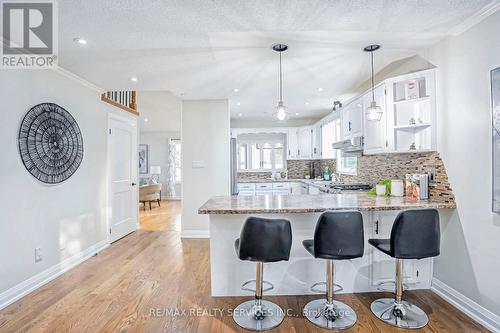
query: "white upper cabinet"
293, 144
375, 131
316, 141
305, 142
408, 122
411, 112
352, 119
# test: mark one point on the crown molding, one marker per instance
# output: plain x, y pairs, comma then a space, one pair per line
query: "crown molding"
476, 18
79, 79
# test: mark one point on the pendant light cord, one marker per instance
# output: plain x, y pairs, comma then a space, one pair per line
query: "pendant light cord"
281, 82
373, 80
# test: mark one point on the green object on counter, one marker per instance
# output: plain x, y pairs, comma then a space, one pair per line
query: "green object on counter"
387, 183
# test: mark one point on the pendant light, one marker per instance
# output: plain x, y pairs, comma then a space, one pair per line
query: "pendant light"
281, 112
374, 112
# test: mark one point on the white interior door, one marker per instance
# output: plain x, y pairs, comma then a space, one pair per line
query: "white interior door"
123, 189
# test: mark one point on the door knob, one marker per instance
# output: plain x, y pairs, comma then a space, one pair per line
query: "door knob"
133, 184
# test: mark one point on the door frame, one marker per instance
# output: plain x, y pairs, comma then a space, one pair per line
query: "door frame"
132, 120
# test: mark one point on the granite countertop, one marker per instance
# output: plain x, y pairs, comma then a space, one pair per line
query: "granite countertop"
284, 180
314, 203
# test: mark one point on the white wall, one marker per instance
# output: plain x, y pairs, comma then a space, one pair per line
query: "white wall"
63, 219
205, 138
161, 108
158, 155
470, 249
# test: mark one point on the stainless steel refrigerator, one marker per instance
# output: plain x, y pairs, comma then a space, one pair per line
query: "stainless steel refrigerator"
234, 167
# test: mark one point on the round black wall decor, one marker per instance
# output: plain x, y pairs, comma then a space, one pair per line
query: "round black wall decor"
50, 143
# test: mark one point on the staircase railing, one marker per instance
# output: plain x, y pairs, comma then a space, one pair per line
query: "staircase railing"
125, 100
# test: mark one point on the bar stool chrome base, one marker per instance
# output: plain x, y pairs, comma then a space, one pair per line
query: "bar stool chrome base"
404, 315
258, 315
335, 315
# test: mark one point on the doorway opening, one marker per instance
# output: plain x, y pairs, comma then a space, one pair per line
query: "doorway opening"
160, 160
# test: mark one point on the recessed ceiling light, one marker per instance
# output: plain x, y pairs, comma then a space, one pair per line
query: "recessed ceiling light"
306, 103
296, 113
146, 120
236, 90
238, 103
320, 89
240, 114
133, 79
80, 41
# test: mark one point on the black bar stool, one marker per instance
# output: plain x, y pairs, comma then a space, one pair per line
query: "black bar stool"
338, 236
262, 240
414, 235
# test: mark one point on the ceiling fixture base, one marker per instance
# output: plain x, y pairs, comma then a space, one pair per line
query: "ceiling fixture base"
280, 47
371, 48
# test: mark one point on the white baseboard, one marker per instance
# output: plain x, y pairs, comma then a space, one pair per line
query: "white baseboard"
24, 288
480, 314
173, 198
195, 234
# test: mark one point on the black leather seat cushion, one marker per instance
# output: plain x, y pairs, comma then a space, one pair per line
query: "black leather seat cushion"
309, 245
338, 236
264, 240
415, 234
383, 245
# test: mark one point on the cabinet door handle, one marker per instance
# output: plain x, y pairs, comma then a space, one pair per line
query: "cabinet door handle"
376, 227
350, 127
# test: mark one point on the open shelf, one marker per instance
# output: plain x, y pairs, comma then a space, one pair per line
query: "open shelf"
414, 100
414, 127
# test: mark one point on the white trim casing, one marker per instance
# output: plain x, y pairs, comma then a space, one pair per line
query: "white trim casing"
79, 79
476, 18
24, 288
195, 234
475, 311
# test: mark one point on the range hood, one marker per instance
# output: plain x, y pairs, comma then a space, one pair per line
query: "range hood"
352, 145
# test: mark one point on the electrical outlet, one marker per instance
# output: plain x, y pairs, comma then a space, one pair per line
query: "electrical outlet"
38, 254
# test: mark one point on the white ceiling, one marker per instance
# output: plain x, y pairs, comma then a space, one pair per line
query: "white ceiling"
202, 49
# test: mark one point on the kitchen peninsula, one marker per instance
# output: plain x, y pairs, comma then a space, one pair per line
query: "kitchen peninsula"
366, 274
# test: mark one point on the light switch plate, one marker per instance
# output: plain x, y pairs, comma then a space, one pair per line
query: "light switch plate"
38, 254
198, 164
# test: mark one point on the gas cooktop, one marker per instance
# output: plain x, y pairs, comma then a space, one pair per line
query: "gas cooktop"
351, 187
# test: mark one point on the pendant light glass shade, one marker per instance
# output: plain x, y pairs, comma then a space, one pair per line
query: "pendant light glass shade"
373, 112
281, 111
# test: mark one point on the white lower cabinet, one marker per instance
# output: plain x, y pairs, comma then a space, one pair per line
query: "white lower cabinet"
250, 189
416, 273
296, 188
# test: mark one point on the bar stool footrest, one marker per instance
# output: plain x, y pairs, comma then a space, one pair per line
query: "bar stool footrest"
314, 287
381, 286
270, 286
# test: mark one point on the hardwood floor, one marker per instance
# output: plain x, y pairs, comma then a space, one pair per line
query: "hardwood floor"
132, 286
167, 217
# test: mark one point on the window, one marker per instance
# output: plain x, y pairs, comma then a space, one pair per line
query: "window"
279, 155
242, 156
255, 157
267, 150
177, 159
261, 152
347, 164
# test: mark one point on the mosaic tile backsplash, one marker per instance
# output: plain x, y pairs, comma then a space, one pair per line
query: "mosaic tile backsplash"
373, 168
